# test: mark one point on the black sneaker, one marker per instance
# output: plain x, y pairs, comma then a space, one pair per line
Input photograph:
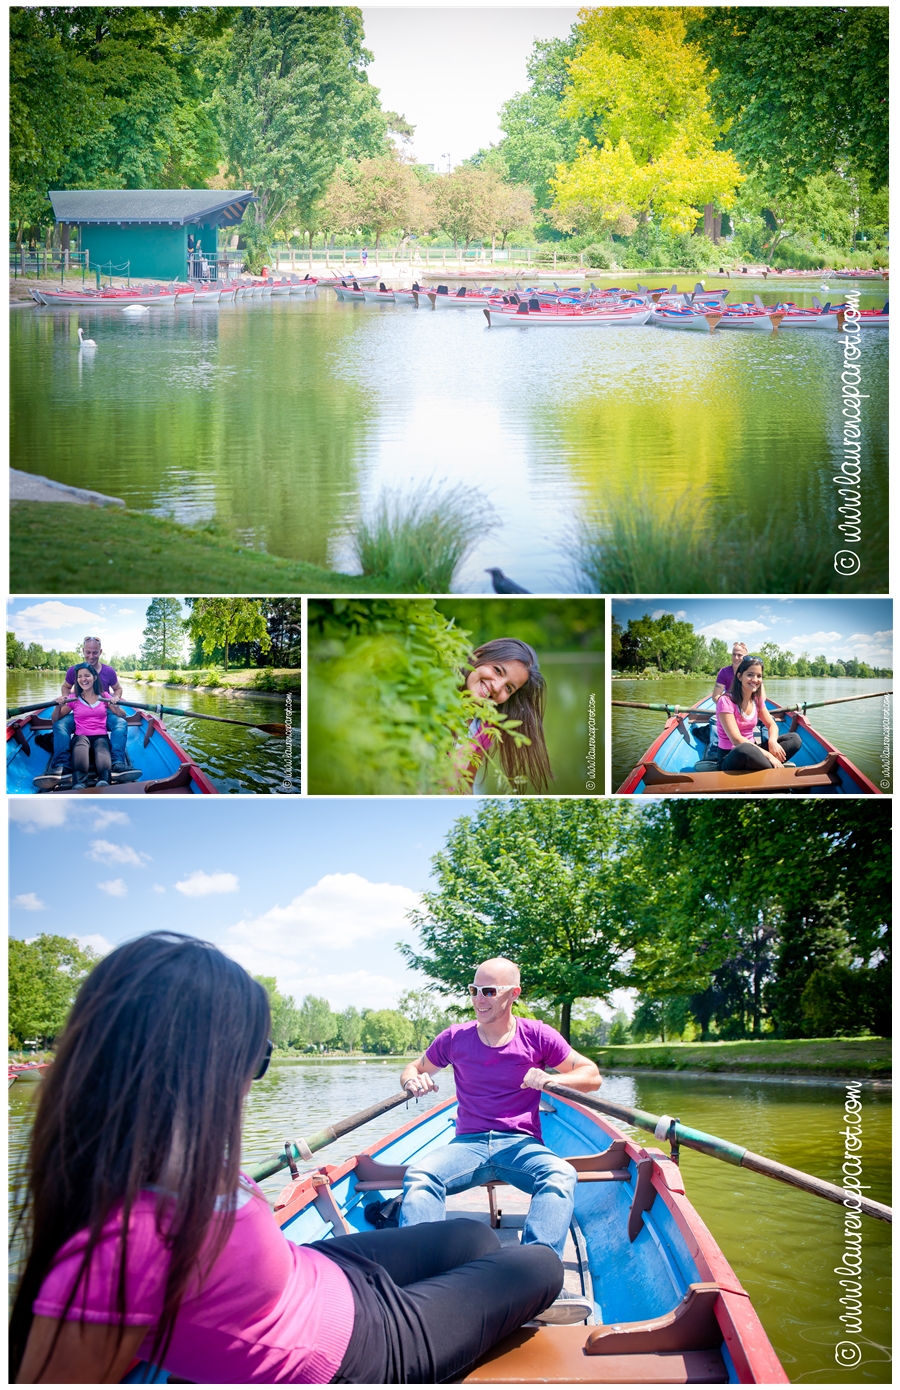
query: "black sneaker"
121, 773
53, 777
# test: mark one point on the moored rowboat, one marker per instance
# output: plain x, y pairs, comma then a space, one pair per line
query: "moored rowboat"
532, 314
165, 765
677, 763
668, 1309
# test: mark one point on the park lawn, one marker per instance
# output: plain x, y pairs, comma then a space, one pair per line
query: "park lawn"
252, 679
867, 1056
57, 548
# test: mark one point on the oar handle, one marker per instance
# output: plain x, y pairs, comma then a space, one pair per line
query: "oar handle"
302, 1148
662, 1127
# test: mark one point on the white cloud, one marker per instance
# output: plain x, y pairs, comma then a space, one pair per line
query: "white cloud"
336, 912
812, 639
30, 902
52, 619
158, 888
35, 813
105, 852
104, 818
95, 942
731, 630
201, 885
114, 887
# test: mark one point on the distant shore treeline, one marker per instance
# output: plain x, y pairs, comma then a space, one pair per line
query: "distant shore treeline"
667, 645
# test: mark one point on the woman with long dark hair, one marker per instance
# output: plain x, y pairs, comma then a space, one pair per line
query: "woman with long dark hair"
506, 672
145, 1241
737, 714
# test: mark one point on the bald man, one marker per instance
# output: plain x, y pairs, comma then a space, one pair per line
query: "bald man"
499, 1063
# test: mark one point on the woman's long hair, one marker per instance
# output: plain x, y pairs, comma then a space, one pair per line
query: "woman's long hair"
527, 705
146, 1090
84, 666
736, 693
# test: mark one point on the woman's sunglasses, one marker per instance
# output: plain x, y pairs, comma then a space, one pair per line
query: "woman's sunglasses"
488, 991
266, 1059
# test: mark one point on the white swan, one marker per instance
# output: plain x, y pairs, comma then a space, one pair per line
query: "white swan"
85, 342
135, 309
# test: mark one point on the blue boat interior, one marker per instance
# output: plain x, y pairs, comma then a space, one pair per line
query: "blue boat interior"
29, 753
627, 1280
685, 751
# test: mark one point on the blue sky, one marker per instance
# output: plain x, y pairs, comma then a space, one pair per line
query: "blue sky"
838, 627
63, 623
448, 71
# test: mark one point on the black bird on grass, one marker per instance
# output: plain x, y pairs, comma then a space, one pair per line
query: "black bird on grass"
502, 585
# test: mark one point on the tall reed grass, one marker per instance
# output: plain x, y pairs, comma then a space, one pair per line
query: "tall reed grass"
417, 538
635, 550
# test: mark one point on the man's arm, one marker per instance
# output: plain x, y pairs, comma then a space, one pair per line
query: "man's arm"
416, 1077
65, 692
85, 1353
718, 691
576, 1071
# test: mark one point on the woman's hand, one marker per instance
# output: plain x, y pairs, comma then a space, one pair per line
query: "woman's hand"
776, 752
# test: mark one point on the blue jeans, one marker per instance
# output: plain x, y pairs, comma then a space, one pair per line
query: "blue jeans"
497, 1156
64, 732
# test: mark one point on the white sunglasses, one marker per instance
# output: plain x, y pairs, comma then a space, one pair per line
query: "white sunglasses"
487, 991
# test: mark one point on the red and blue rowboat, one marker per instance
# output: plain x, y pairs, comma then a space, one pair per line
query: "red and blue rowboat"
668, 1308
677, 762
163, 763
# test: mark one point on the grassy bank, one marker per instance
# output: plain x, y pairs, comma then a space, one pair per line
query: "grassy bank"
56, 548
248, 681
810, 1057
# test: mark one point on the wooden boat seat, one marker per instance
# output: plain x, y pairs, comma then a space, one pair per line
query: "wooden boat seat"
179, 784
679, 1348
776, 779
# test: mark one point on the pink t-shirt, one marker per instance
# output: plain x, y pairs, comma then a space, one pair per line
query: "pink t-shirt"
489, 1079
270, 1312
746, 722
89, 719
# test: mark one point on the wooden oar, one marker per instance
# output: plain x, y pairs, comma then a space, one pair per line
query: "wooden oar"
304, 1148
664, 1127
664, 709
279, 730
820, 704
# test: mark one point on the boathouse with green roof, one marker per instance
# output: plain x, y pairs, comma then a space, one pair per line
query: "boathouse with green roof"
148, 228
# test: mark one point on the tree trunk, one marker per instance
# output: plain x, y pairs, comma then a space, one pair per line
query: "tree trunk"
709, 214
565, 1019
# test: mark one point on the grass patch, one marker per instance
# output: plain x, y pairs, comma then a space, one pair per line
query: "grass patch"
419, 537
868, 1056
637, 550
56, 548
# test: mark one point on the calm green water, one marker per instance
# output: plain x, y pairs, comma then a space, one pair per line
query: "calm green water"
782, 1244
283, 420
855, 729
237, 760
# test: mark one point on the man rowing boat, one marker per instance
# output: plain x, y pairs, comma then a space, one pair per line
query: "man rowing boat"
499, 1064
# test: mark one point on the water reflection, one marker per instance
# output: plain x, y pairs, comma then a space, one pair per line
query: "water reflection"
281, 420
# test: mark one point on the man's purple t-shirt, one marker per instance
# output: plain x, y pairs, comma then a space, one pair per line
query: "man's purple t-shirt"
726, 678
108, 677
489, 1079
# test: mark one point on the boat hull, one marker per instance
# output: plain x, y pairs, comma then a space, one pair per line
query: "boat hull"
599, 318
165, 766
668, 768
688, 323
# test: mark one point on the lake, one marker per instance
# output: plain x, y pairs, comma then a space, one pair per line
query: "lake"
282, 420
237, 760
856, 729
782, 1244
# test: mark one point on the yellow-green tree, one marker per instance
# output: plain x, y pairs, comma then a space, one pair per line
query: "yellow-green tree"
218, 622
654, 150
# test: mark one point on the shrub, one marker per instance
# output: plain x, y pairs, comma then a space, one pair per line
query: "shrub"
837, 1001
599, 257
416, 538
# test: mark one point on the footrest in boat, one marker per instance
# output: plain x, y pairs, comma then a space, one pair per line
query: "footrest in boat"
775, 779
556, 1356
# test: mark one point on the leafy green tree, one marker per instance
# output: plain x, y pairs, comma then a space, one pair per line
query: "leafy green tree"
317, 1024
792, 108
386, 1030
620, 1030
425, 1014
539, 882
376, 196
290, 98
286, 1025
220, 622
719, 655
537, 135
466, 203
44, 976
163, 644
15, 651
839, 1001
350, 1025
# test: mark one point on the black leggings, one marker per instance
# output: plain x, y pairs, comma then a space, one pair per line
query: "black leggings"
429, 1300
749, 757
81, 753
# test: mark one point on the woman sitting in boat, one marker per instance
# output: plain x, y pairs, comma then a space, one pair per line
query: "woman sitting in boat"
89, 708
506, 672
737, 714
138, 1129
